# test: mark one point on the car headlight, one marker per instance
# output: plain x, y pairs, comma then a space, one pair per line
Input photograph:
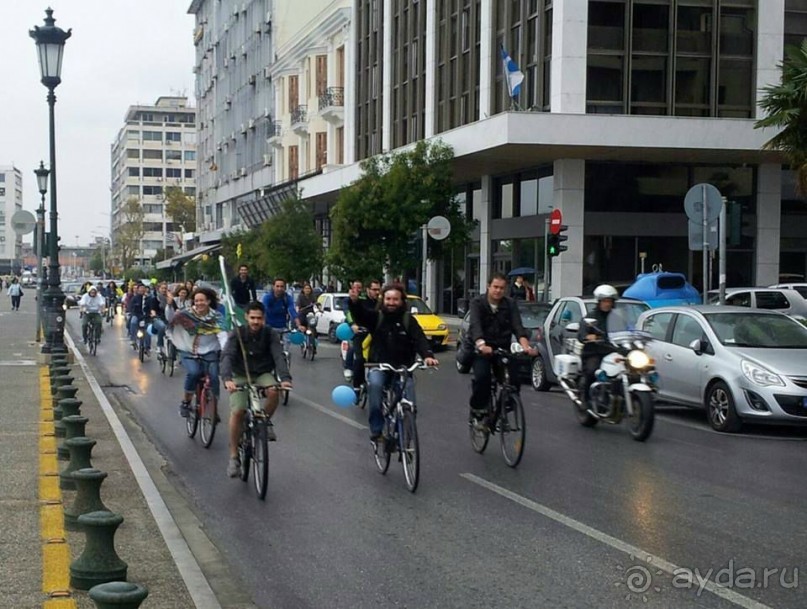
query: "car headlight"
639, 360
442, 327
761, 376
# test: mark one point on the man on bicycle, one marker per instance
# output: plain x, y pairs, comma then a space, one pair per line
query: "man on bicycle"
355, 356
93, 306
397, 340
279, 307
494, 320
257, 349
137, 307
242, 288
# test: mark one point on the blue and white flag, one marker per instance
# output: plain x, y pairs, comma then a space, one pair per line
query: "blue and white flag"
513, 75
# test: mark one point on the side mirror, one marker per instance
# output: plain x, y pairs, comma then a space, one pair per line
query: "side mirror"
413, 310
573, 327
698, 346
590, 321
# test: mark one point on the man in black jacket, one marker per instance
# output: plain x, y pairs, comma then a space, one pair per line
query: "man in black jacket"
397, 339
494, 320
261, 346
594, 348
242, 287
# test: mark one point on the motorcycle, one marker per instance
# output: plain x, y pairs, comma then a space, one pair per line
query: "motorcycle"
625, 383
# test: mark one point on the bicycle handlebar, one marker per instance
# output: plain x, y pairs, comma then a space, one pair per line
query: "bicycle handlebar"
401, 369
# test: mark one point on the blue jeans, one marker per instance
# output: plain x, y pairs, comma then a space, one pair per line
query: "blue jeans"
195, 369
133, 323
159, 325
376, 381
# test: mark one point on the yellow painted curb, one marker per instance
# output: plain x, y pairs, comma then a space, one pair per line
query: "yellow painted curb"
59, 603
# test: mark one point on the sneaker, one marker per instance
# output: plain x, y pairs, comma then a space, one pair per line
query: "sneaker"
270, 433
379, 443
234, 467
184, 409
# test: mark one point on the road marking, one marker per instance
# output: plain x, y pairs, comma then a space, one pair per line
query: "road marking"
195, 581
639, 554
328, 411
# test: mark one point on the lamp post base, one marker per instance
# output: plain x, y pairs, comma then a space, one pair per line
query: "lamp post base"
54, 313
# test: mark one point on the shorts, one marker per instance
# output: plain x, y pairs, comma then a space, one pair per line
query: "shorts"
239, 400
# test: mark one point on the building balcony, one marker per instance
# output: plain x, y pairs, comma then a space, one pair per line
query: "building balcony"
332, 105
276, 134
299, 120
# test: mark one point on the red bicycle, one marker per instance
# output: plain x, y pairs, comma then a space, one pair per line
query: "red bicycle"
203, 413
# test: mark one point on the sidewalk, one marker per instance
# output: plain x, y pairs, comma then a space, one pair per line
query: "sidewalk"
33, 561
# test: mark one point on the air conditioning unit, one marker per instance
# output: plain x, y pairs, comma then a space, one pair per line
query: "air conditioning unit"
232, 136
251, 124
267, 159
159, 179
243, 128
243, 172
235, 11
252, 79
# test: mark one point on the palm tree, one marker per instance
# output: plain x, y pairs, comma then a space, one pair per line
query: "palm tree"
785, 105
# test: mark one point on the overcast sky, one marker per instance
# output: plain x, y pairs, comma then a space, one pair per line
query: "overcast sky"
121, 53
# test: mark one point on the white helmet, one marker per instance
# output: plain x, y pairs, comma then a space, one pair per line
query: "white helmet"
605, 291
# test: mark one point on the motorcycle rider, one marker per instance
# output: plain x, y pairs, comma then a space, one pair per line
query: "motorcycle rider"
592, 335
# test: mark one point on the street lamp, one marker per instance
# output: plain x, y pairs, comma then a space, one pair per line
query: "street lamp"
50, 41
42, 183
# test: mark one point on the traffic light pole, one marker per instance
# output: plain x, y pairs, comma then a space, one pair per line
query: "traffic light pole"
546, 261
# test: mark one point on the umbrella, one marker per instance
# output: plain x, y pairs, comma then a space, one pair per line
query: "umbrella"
522, 270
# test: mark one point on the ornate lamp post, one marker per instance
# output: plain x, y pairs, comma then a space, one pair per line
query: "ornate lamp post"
50, 41
42, 183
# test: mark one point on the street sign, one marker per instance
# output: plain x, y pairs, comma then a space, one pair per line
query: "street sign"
555, 220
23, 222
696, 236
700, 195
438, 228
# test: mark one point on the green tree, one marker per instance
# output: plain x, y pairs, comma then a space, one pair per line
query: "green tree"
785, 105
180, 208
130, 232
97, 262
377, 218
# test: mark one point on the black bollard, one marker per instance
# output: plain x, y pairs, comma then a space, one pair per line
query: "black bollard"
74, 428
88, 496
64, 392
118, 595
58, 370
70, 406
98, 563
58, 381
80, 451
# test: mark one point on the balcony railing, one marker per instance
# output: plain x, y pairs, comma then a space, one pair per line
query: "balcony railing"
275, 129
333, 96
299, 115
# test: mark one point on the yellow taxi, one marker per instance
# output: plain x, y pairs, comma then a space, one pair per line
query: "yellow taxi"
433, 326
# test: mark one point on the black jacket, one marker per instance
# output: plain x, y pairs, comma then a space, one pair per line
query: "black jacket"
599, 327
518, 292
243, 292
496, 329
392, 343
139, 306
264, 354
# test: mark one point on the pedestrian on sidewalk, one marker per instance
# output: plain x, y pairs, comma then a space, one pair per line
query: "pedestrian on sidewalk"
16, 293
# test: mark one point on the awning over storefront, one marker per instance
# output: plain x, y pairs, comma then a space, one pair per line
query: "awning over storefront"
193, 254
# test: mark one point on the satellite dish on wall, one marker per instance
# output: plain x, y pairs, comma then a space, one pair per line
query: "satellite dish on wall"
23, 222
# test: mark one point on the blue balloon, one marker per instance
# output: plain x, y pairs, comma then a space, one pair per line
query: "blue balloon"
343, 396
296, 338
150, 329
344, 331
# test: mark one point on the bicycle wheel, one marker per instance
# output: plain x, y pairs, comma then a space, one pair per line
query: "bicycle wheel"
172, 358
192, 422
208, 417
141, 350
512, 428
381, 460
245, 450
163, 362
93, 343
479, 437
312, 348
410, 449
260, 460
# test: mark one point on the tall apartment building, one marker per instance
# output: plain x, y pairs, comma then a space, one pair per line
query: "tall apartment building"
234, 54
10, 202
155, 149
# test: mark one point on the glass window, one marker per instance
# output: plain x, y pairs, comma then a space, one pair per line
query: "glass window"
686, 330
740, 299
651, 24
152, 172
173, 136
657, 325
133, 153
190, 155
772, 300
152, 136
132, 134
152, 190
694, 34
153, 155
507, 201
529, 198
173, 172
736, 31
604, 78
692, 82
134, 171
133, 191
606, 26
569, 313
649, 79
172, 155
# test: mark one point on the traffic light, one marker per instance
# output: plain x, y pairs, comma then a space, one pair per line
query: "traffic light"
554, 243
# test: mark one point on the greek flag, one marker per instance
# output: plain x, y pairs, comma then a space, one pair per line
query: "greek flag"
513, 75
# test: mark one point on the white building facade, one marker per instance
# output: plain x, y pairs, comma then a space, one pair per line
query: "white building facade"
153, 151
10, 203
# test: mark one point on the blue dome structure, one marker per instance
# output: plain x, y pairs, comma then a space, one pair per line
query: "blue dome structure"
663, 289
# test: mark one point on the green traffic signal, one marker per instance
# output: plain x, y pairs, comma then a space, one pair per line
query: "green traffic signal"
554, 243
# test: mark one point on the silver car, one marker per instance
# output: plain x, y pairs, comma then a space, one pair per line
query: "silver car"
738, 364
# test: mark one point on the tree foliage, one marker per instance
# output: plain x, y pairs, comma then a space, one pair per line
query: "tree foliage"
130, 232
785, 105
180, 208
377, 219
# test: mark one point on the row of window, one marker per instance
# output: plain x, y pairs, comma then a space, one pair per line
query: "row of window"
151, 117
135, 191
157, 172
157, 155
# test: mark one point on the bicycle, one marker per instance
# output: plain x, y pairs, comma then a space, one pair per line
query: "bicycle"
400, 425
253, 444
111, 310
287, 357
505, 414
140, 344
309, 347
203, 413
93, 336
168, 357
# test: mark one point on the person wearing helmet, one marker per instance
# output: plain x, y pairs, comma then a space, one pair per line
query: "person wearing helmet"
592, 333
93, 306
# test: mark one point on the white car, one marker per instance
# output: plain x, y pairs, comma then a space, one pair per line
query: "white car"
333, 307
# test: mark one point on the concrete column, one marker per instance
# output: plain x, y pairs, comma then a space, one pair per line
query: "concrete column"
485, 246
769, 216
431, 69
569, 197
431, 285
770, 46
350, 90
486, 74
568, 65
386, 80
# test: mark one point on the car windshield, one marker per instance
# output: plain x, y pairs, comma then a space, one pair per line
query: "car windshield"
758, 330
628, 313
340, 303
532, 315
418, 307
802, 290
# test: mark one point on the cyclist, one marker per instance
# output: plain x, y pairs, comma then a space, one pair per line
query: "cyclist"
594, 349
279, 307
198, 332
258, 351
138, 308
93, 306
397, 340
180, 299
494, 320
355, 356
242, 288
157, 305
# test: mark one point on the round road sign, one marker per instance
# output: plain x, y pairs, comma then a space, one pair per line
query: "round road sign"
438, 228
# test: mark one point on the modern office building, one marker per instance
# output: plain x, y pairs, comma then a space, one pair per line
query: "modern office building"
10, 202
154, 150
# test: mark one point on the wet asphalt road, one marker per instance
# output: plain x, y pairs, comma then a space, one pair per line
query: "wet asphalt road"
590, 518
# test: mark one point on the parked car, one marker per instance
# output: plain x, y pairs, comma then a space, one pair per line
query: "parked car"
567, 310
71, 294
333, 307
786, 301
435, 329
738, 364
801, 288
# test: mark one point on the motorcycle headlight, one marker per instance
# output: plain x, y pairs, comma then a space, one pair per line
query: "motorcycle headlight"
140, 334
761, 376
639, 360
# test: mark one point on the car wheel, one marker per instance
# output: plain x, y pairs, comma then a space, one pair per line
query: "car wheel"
539, 382
332, 334
720, 409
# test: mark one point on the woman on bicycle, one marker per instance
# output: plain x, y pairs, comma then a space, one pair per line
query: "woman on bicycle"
305, 304
180, 299
199, 336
